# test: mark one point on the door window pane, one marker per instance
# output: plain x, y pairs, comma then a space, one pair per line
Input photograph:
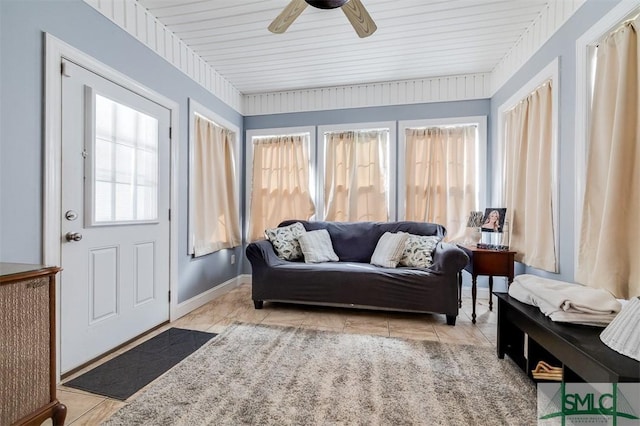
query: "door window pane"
124, 163
123, 207
103, 160
124, 172
103, 202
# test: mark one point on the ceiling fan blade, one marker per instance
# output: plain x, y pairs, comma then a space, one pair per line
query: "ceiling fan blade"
287, 16
359, 18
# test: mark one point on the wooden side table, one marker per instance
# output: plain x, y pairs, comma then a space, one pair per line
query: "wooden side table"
497, 263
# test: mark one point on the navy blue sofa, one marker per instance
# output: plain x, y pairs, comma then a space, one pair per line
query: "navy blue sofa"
353, 281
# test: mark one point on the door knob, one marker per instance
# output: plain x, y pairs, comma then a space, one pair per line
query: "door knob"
74, 236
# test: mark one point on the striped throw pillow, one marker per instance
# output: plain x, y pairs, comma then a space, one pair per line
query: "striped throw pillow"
316, 247
389, 249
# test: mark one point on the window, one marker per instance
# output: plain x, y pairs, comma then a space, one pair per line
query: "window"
124, 169
529, 185
280, 182
214, 221
528, 179
608, 235
356, 172
442, 177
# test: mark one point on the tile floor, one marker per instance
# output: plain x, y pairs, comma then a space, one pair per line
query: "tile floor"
84, 408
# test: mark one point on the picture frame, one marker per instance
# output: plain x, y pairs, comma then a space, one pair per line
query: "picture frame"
493, 219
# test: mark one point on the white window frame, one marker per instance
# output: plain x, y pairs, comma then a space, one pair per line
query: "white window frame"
550, 72
481, 166
392, 154
281, 131
197, 108
585, 70
90, 95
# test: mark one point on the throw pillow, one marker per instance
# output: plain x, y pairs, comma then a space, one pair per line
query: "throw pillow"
285, 240
389, 249
418, 251
316, 247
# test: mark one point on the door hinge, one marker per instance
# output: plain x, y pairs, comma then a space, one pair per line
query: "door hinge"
170, 132
169, 214
169, 295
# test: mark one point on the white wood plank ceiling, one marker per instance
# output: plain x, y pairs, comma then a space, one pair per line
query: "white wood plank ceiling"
415, 39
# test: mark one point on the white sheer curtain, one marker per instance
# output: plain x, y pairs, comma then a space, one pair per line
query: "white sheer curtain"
529, 179
216, 222
356, 176
610, 234
280, 188
440, 174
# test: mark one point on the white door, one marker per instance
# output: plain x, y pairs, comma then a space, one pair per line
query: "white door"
115, 215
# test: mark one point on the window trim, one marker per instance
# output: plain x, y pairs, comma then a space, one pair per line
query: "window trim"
90, 95
479, 120
248, 166
320, 163
197, 108
585, 54
550, 72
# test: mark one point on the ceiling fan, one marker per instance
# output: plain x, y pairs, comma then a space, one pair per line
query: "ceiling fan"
353, 9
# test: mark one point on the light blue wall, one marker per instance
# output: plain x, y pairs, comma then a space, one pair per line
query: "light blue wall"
372, 114
22, 24
21, 93
563, 46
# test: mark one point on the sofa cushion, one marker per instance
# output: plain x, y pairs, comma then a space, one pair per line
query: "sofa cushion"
356, 241
285, 240
418, 251
389, 249
316, 247
352, 241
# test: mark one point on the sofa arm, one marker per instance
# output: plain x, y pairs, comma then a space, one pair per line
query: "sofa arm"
449, 258
262, 251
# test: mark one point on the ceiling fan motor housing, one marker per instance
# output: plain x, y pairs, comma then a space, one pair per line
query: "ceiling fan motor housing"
326, 4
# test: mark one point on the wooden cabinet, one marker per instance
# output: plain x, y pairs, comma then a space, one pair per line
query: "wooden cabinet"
27, 345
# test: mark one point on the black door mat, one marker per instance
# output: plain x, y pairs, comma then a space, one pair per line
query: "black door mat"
124, 375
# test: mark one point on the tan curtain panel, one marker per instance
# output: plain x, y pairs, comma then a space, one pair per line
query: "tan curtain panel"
610, 236
529, 179
355, 180
280, 188
440, 170
216, 223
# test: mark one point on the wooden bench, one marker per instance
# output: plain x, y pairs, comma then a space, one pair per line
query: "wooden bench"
576, 348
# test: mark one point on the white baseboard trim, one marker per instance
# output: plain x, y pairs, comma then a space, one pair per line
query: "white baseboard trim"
203, 298
244, 279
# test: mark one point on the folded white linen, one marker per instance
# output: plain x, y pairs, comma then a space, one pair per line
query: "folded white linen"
565, 302
569, 297
521, 293
595, 320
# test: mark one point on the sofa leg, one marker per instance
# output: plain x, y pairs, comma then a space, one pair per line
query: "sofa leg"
451, 319
258, 304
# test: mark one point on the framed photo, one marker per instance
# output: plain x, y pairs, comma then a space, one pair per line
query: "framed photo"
493, 219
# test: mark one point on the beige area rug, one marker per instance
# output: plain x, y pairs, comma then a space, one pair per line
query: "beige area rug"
267, 375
